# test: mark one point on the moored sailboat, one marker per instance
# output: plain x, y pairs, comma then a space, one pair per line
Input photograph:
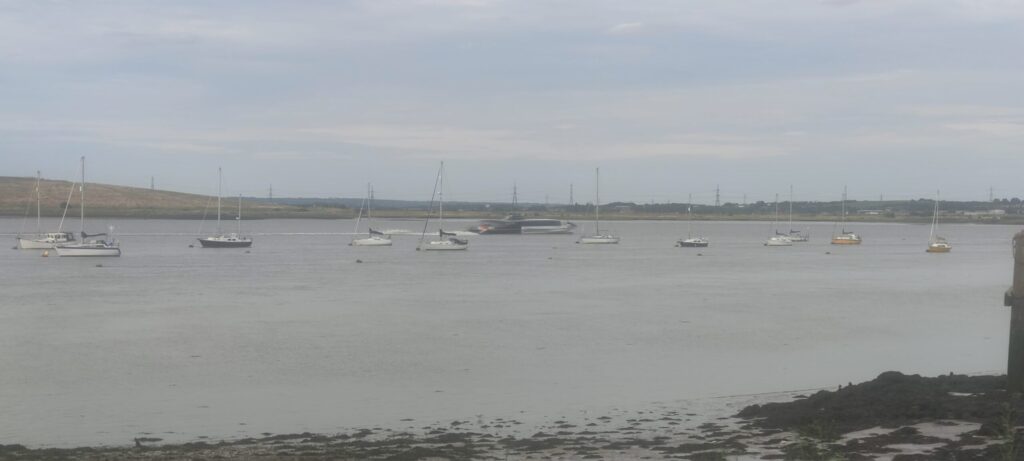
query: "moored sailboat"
447, 241
43, 240
777, 240
88, 246
794, 235
376, 238
937, 244
222, 240
690, 241
598, 237
845, 238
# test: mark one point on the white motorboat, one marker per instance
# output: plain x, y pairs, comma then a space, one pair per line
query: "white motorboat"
376, 238
222, 240
447, 241
88, 246
598, 237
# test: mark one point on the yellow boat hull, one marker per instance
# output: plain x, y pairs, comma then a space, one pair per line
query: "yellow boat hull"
938, 249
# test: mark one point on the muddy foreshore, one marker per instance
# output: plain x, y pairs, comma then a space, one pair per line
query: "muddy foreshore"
893, 417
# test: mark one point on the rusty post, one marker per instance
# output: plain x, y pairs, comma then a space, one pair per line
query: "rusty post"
1015, 299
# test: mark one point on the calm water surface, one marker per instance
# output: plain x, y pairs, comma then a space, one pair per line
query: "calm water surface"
296, 335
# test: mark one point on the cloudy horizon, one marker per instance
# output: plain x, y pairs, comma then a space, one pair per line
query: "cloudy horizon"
896, 98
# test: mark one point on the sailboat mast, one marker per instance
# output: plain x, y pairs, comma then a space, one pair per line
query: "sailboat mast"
597, 201
791, 208
39, 221
369, 204
843, 217
239, 218
440, 198
82, 189
220, 182
359, 216
935, 218
776, 218
689, 215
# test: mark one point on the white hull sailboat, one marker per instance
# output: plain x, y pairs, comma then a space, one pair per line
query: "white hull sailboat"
794, 235
447, 241
45, 241
937, 244
222, 240
598, 238
777, 240
376, 238
41, 240
690, 241
88, 246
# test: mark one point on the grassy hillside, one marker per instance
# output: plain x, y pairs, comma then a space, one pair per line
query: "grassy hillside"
18, 195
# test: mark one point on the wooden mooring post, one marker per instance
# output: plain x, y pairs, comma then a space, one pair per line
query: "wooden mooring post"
1014, 298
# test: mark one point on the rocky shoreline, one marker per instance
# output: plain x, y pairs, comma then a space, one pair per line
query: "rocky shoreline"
893, 417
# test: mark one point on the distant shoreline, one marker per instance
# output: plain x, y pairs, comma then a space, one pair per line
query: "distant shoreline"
345, 214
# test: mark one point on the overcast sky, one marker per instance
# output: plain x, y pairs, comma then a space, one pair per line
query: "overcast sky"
894, 97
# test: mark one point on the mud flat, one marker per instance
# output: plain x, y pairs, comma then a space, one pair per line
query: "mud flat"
893, 417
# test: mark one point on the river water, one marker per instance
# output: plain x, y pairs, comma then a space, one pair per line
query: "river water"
296, 335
